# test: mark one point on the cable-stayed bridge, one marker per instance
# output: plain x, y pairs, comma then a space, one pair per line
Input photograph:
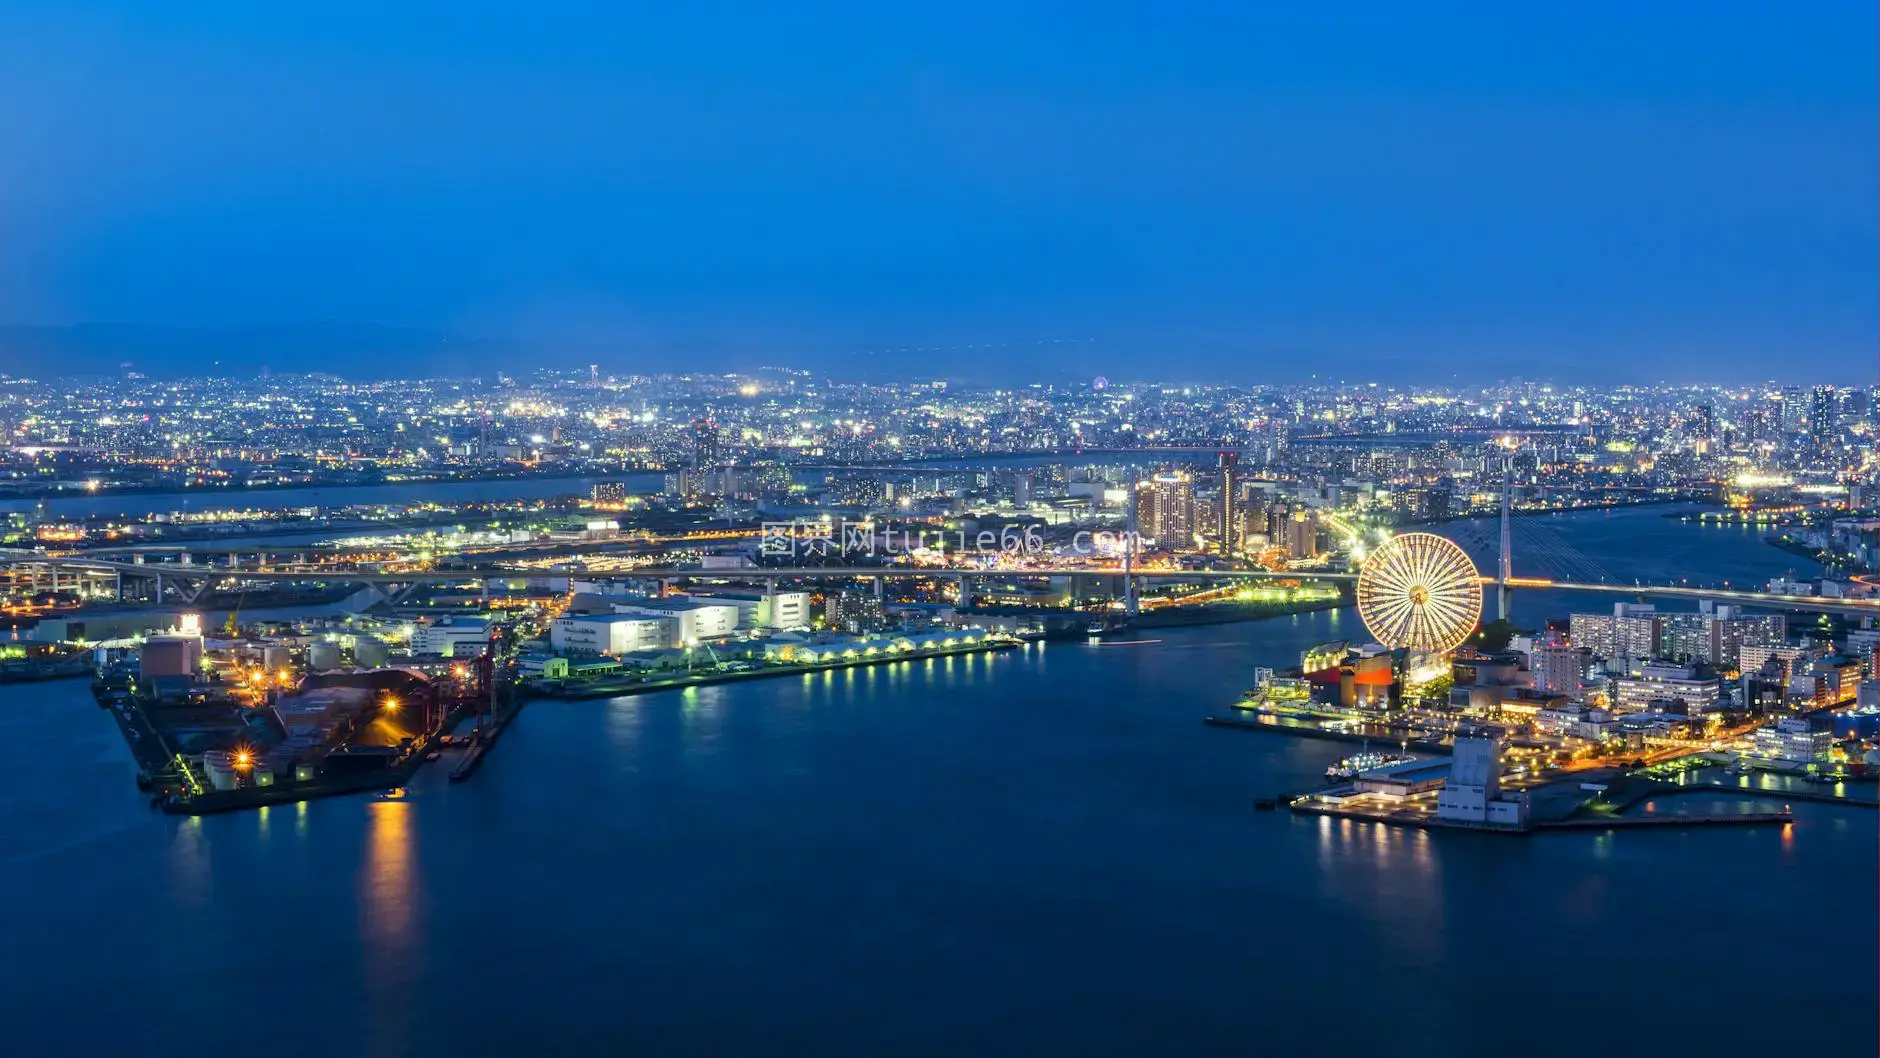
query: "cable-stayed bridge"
1538, 552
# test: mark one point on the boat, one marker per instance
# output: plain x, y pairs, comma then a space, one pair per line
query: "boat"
1359, 763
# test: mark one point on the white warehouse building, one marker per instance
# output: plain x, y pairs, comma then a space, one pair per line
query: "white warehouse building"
609, 633
777, 609
452, 637
692, 620
1794, 740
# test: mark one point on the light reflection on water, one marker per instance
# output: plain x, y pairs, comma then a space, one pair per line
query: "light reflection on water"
190, 878
388, 895
622, 722
388, 878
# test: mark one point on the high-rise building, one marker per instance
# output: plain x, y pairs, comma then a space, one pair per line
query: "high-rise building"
609, 492
1301, 534
704, 442
1592, 631
1432, 504
1630, 635
1253, 523
1861, 643
1704, 425
855, 612
1716, 634
1755, 426
1558, 669
1788, 659
1686, 636
1824, 426
1276, 440
1166, 510
1207, 517
1227, 514
1635, 631
1735, 630
1793, 409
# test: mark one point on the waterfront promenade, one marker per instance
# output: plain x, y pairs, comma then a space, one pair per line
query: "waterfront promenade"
614, 686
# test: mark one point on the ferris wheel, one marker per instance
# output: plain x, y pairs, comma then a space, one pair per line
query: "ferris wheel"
1420, 591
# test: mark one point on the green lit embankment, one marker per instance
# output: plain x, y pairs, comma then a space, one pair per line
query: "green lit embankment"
619, 686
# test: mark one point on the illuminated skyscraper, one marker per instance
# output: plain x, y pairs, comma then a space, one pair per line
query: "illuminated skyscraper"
1824, 425
1167, 510
1793, 409
1227, 511
1755, 426
1299, 534
704, 443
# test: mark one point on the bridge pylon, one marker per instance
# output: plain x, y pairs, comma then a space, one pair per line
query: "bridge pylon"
1504, 597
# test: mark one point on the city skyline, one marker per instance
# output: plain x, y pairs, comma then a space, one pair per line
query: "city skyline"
108, 432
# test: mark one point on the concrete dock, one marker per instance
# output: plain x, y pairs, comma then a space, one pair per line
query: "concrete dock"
1303, 729
1396, 816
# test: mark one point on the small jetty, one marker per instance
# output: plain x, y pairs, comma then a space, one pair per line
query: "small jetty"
484, 741
1278, 725
1396, 815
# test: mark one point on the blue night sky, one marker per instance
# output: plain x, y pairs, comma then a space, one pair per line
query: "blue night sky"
1243, 191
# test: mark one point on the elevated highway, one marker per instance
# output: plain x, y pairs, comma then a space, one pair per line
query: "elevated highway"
193, 577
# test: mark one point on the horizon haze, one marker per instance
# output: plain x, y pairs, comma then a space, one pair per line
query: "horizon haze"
1589, 191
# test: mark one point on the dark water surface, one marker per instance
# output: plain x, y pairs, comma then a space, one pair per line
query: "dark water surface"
1040, 852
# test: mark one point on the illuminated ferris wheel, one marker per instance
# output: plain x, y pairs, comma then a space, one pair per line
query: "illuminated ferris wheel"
1420, 591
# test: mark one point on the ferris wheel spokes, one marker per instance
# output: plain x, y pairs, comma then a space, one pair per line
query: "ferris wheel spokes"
1420, 591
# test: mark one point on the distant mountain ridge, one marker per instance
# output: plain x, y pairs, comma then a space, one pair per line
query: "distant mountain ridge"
351, 350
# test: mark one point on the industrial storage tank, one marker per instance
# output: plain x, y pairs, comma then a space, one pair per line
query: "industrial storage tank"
323, 656
370, 652
220, 767
274, 659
